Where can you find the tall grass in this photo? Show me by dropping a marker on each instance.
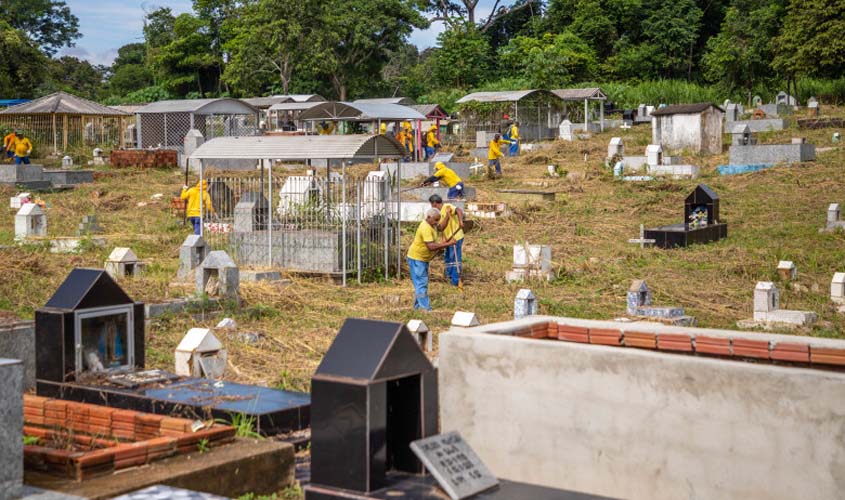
(630, 95)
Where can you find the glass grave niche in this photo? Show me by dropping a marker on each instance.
(701, 222)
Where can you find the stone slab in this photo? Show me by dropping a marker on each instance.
(17, 341)
(11, 423)
(73, 245)
(63, 177)
(741, 169)
(249, 275)
(771, 153)
(440, 453)
(16, 174)
(175, 306)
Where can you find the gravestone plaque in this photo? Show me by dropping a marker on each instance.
(454, 465)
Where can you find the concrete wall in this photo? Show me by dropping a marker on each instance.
(305, 250)
(17, 341)
(761, 125)
(414, 169)
(696, 132)
(771, 153)
(711, 140)
(643, 424)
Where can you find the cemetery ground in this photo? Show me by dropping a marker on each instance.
(773, 214)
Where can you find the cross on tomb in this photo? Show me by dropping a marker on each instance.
(642, 240)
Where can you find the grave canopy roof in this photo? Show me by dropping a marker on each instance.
(431, 110)
(368, 350)
(593, 93)
(62, 103)
(502, 96)
(404, 101)
(300, 147)
(684, 109)
(86, 288)
(220, 105)
(360, 111)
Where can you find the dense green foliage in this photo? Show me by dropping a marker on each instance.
(637, 50)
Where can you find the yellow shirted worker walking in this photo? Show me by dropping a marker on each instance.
(493, 155)
(193, 209)
(23, 148)
(448, 177)
(406, 140)
(452, 225)
(421, 252)
(9, 144)
(513, 134)
(431, 142)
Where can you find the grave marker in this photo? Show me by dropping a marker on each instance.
(525, 304)
(565, 130)
(837, 288)
(454, 465)
(421, 334)
(30, 221)
(123, 262)
(200, 354)
(89, 225)
(787, 270)
(192, 252)
(615, 148)
(465, 319)
(218, 275)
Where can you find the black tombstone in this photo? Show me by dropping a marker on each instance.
(374, 392)
(88, 317)
(711, 228)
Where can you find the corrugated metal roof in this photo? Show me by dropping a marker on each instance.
(128, 108)
(684, 109)
(293, 106)
(266, 102)
(304, 97)
(501, 96)
(349, 111)
(62, 103)
(300, 147)
(404, 101)
(220, 105)
(593, 93)
(430, 110)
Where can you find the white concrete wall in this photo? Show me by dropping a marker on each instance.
(679, 132)
(711, 141)
(641, 424)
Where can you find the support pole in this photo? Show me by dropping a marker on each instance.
(269, 213)
(398, 218)
(586, 116)
(386, 230)
(601, 115)
(358, 228)
(202, 225)
(343, 216)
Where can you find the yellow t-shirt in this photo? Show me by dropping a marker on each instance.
(448, 176)
(193, 197)
(494, 151)
(425, 234)
(431, 139)
(22, 147)
(453, 228)
(514, 132)
(9, 142)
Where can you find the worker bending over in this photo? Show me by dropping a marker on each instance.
(421, 252)
(447, 176)
(451, 224)
(494, 153)
(193, 210)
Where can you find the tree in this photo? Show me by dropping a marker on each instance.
(49, 23)
(24, 66)
(463, 58)
(455, 14)
(128, 72)
(551, 61)
(187, 64)
(811, 42)
(672, 30)
(514, 22)
(73, 75)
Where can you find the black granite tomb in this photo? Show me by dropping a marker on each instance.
(373, 394)
(89, 341)
(701, 222)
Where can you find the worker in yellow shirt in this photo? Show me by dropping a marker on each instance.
(382, 128)
(23, 148)
(407, 142)
(421, 252)
(9, 144)
(448, 177)
(451, 224)
(514, 138)
(494, 153)
(431, 142)
(325, 128)
(193, 210)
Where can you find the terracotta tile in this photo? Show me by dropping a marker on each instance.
(640, 339)
(102, 412)
(176, 424)
(95, 457)
(34, 401)
(573, 333)
(552, 330)
(674, 342)
(827, 356)
(605, 336)
(749, 348)
(130, 462)
(790, 351)
(713, 345)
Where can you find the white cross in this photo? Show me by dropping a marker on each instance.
(642, 240)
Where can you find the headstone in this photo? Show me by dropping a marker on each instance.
(766, 300)
(422, 334)
(218, 275)
(227, 323)
(833, 213)
(638, 296)
(454, 465)
(837, 288)
(531, 261)
(123, 262)
(192, 355)
(298, 190)
(192, 252)
(30, 221)
(732, 112)
(374, 187)
(67, 161)
(654, 155)
(565, 130)
(757, 101)
(642, 112)
(615, 148)
(741, 135)
(88, 226)
(465, 319)
(98, 156)
(787, 270)
(813, 106)
(525, 304)
(251, 213)
(193, 140)
(11, 425)
(18, 200)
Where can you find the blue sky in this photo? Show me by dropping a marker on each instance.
(108, 25)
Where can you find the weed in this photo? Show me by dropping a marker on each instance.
(244, 425)
(202, 446)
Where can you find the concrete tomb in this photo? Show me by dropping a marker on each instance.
(615, 148)
(693, 127)
(30, 221)
(252, 213)
(744, 150)
(200, 354)
(11, 424)
(218, 276)
(566, 130)
(787, 270)
(531, 261)
(525, 304)
(639, 304)
(123, 262)
(90, 346)
(488, 210)
(88, 226)
(421, 333)
(837, 290)
(767, 311)
(465, 319)
(702, 223)
(655, 165)
(813, 107)
(784, 98)
(192, 252)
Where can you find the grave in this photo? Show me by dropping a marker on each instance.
(639, 304)
(421, 333)
(74, 244)
(656, 165)
(37, 178)
(837, 291)
(252, 213)
(374, 394)
(90, 346)
(531, 262)
(526, 196)
(11, 423)
(745, 151)
(693, 127)
(761, 124)
(465, 319)
(615, 148)
(89, 226)
(659, 409)
(733, 112)
(565, 130)
(786, 99)
(18, 200)
(192, 252)
(218, 276)
(767, 311)
(415, 169)
(123, 262)
(192, 140)
(643, 114)
(253, 276)
(17, 341)
(30, 221)
(525, 304)
(701, 222)
(200, 354)
(488, 210)
(787, 270)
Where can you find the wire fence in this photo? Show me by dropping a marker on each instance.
(307, 224)
(168, 130)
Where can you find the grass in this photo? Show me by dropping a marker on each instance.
(773, 215)
(244, 425)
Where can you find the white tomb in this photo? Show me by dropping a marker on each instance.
(465, 319)
(200, 354)
(531, 261)
(837, 289)
(30, 221)
(565, 130)
(767, 309)
(615, 148)
(123, 262)
(787, 270)
(421, 334)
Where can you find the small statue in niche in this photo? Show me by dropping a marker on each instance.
(698, 218)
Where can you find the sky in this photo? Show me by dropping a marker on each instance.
(108, 25)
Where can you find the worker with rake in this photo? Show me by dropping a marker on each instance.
(431, 142)
(420, 254)
(447, 176)
(494, 155)
(451, 224)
